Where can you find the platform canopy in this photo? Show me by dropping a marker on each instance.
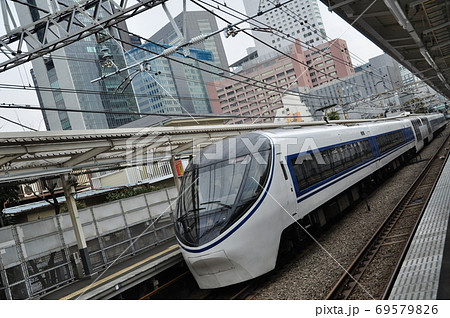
(415, 33)
(31, 155)
(27, 156)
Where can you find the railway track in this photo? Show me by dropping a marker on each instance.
(372, 271)
(166, 286)
(235, 292)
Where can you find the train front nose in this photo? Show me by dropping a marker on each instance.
(220, 185)
(216, 269)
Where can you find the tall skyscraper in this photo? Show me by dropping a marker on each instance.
(190, 83)
(172, 85)
(197, 22)
(299, 19)
(63, 79)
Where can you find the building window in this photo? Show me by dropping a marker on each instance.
(290, 71)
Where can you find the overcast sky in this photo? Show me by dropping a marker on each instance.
(146, 24)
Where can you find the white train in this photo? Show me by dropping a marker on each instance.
(245, 198)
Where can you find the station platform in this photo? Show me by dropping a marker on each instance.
(119, 277)
(425, 272)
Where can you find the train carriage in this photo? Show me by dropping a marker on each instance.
(241, 197)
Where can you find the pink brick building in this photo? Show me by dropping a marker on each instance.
(329, 60)
(261, 99)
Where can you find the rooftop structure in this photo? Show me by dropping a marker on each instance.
(300, 19)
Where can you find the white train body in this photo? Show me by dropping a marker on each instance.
(240, 195)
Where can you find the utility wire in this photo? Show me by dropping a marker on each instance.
(294, 16)
(275, 49)
(91, 92)
(266, 86)
(288, 37)
(309, 95)
(223, 116)
(16, 123)
(193, 41)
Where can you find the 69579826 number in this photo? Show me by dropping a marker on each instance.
(406, 309)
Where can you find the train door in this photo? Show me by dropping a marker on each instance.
(418, 133)
(428, 125)
(288, 191)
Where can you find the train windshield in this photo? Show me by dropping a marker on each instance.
(220, 185)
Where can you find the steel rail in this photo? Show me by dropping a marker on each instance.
(348, 281)
(169, 283)
(390, 284)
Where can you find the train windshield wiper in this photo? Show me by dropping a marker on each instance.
(196, 209)
(219, 203)
(187, 214)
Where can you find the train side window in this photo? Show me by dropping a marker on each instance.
(326, 169)
(347, 156)
(390, 141)
(308, 171)
(315, 172)
(337, 160)
(355, 157)
(298, 171)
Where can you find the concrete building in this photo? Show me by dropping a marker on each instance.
(63, 80)
(170, 85)
(181, 85)
(281, 73)
(328, 61)
(197, 22)
(380, 75)
(294, 111)
(300, 19)
(259, 98)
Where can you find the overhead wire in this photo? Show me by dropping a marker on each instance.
(163, 96)
(294, 16)
(275, 49)
(172, 49)
(289, 37)
(223, 116)
(309, 68)
(17, 123)
(267, 86)
(268, 104)
(88, 92)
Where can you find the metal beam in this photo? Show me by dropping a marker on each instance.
(439, 45)
(340, 4)
(180, 37)
(59, 29)
(69, 191)
(7, 16)
(7, 159)
(443, 25)
(381, 13)
(85, 156)
(399, 39)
